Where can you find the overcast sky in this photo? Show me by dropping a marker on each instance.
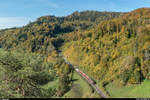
(15, 13)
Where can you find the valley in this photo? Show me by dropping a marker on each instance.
(88, 54)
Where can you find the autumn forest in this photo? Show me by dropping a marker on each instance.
(112, 48)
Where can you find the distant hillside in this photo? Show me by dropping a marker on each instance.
(39, 35)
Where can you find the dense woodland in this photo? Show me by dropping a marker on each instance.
(108, 46)
(115, 50)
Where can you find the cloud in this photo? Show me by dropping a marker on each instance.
(9, 22)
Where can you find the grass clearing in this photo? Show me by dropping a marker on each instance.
(51, 87)
(135, 91)
(52, 84)
(80, 89)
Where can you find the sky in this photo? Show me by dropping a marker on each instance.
(17, 13)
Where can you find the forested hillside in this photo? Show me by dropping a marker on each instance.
(40, 35)
(116, 49)
(111, 47)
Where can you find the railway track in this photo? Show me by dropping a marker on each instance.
(86, 77)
